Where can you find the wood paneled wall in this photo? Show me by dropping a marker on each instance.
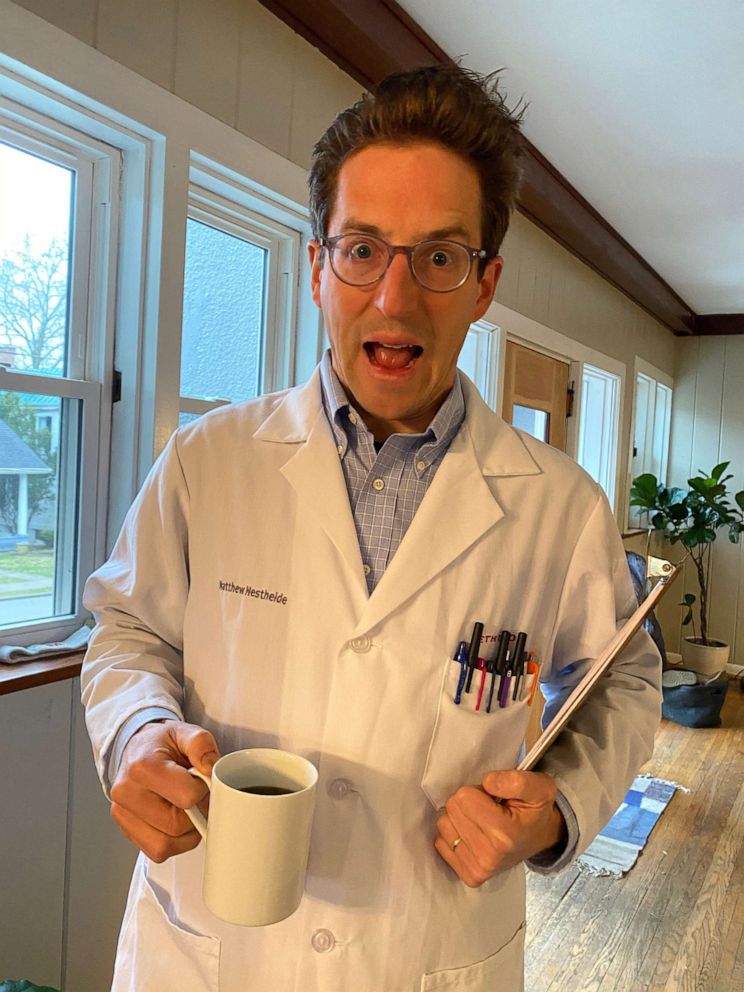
(707, 428)
(239, 63)
(231, 58)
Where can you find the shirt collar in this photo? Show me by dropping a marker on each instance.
(437, 438)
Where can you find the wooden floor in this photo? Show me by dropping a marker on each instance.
(675, 921)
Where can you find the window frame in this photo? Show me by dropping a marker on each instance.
(488, 375)
(89, 337)
(282, 244)
(610, 442)
(652, 374)
(85, 478)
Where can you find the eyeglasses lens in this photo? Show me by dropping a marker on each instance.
(438, 265)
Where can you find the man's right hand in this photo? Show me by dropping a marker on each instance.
(153, 787)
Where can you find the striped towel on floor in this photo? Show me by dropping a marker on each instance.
(615, 850)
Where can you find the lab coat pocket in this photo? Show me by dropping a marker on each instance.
(503, 970)
(156, 952)
(467, 741)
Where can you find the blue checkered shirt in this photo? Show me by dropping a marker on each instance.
(386, 487)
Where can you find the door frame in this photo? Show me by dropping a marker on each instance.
(524, 330)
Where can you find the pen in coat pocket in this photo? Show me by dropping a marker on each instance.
(498, 663)
(533, 668)
(518, 666)
(461, 655)
(473, 650)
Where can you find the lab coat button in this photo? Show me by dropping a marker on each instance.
(322, 941)
(360, 644)
(339, 788)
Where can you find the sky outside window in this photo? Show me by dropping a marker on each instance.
(35, 210)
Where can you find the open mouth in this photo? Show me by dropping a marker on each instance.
(392, 356)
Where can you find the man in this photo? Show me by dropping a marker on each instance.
(299, 569)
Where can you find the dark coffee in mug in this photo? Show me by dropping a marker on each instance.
(266, 790)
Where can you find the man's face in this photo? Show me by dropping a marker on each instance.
(403, 194)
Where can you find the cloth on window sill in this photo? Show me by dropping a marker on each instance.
(11, 654)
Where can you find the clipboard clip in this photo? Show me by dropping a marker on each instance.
(658, 568)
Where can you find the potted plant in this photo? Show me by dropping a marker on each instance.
(693, 517)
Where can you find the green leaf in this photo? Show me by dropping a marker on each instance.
(719, 470)
(677, 512)
(24, 986)
(740, 499)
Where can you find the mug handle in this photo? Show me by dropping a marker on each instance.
(193, 812)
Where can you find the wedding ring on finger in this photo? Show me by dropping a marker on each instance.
(457, 841)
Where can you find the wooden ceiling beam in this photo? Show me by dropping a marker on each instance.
(369, 39)
(720, 323)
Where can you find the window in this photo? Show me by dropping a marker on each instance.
(133, 338)
(49, 411)
(477, 359)
(598, 426)
(652, 413)
(240, 281)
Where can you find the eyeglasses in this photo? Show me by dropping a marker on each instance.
(440, 266)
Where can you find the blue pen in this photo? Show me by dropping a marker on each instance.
(462, 656)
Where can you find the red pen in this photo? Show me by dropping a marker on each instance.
(483, 668)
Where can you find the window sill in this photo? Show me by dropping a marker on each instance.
(26, 674)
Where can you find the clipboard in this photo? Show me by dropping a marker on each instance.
(667, 573)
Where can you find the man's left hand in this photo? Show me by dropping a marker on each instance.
(496, 836)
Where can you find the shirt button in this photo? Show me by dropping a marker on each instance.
(360, 644)
(339, 788)
(421, 466)
(340, 449)
(367, 569)
(322, 941)
(378, 484)
(353, 418)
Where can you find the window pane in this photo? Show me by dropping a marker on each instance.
(467, 360)
(643, 398)
(36, 200)
(534, 422)
(38, 505)
(662, 419)
(597, 448)
(223, 315)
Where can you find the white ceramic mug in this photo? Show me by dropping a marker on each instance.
(257, 845)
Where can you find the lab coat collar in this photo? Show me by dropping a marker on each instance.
(293, 418)
(459, 507)
(498, 448)
(457, 510)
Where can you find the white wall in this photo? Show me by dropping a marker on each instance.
(65, 866)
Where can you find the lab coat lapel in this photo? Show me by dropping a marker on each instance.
(458, 509)
(315, 473)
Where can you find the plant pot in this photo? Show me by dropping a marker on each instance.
(707, 659)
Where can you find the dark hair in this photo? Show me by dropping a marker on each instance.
(454, 107)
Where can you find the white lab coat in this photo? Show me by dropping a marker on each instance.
(511, 532)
